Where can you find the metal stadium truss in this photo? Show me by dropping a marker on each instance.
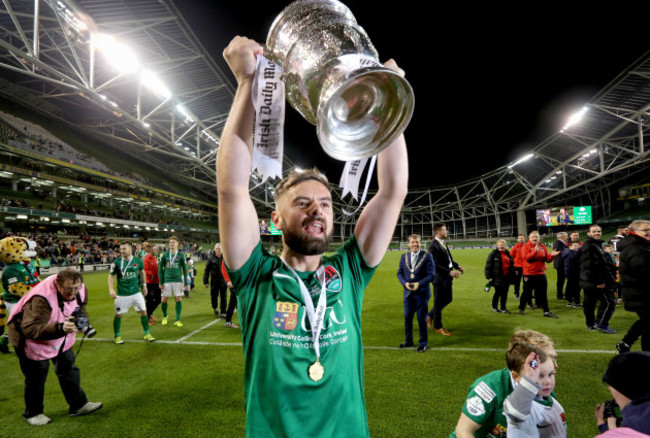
(580, 165)
(132, 73)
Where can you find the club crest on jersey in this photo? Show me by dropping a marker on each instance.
(286, 316)
(499, 431)
(332, 279)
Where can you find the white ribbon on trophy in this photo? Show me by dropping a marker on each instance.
(268, 101)
(351, 177)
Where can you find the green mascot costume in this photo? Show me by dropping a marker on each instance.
(18, 277)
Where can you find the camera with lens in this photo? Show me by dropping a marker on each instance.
(81, 321)
(613, 410)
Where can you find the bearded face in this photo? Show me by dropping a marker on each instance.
(307, 243)
(306, 218)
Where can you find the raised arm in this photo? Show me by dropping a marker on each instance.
(238, 225)
(377, 222)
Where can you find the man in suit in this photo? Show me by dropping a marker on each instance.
(416, 271)
(446, 270)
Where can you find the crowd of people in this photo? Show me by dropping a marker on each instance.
(608, 273)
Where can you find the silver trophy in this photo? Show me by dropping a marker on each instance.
(334, 79)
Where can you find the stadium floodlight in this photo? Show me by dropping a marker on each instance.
(45, 218)
(65, 221)
(21, 216)
(575, 118)
(181, 109)
(146, 125)
(521, 160)
(150, 80)
(116, 53)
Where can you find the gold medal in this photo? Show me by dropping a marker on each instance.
(316, 371)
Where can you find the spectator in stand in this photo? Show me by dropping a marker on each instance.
(516, 254)
(560, 245)
(536, 255)
(597, 282)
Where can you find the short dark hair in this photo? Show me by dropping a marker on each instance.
(437, 227)
(296, 177)
(69, 274)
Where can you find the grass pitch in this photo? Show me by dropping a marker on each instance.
(190, 382)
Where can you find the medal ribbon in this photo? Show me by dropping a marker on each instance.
(317, 316)
(122, 268)
(172, 259)
(268, 101)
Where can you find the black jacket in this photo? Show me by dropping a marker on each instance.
(634, 268)
(441, 258)
(212, 273)
(494, 269)
(593, 265)
(558, 245)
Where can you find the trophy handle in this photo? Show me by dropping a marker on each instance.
(271, 55)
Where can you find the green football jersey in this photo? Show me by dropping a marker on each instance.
(16, 273)
(484, 404)
(281, 399)
(172, 268)
(128, 275)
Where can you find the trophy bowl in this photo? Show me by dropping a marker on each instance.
(334, 80)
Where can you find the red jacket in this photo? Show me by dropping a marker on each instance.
(535, 261)
(224, 273)
(516, 254)
(150, 269)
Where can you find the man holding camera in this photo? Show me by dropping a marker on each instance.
(42, 328)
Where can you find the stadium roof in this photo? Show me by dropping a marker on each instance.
(605, 147)
(173, 119)
(165, 104)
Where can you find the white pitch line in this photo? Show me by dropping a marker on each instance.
(198, 330)
(368, 347)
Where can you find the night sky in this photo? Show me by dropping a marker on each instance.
(490, 82)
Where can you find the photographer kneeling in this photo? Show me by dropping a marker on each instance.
(42, 328)
(628, 380)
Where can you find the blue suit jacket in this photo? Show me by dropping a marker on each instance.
(423, 275)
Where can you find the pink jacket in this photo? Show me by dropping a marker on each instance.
(622, 432)
(44, 350)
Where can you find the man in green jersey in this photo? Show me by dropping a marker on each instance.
(300, 314)
(141, 250)
(172, 274)
(129, 271)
